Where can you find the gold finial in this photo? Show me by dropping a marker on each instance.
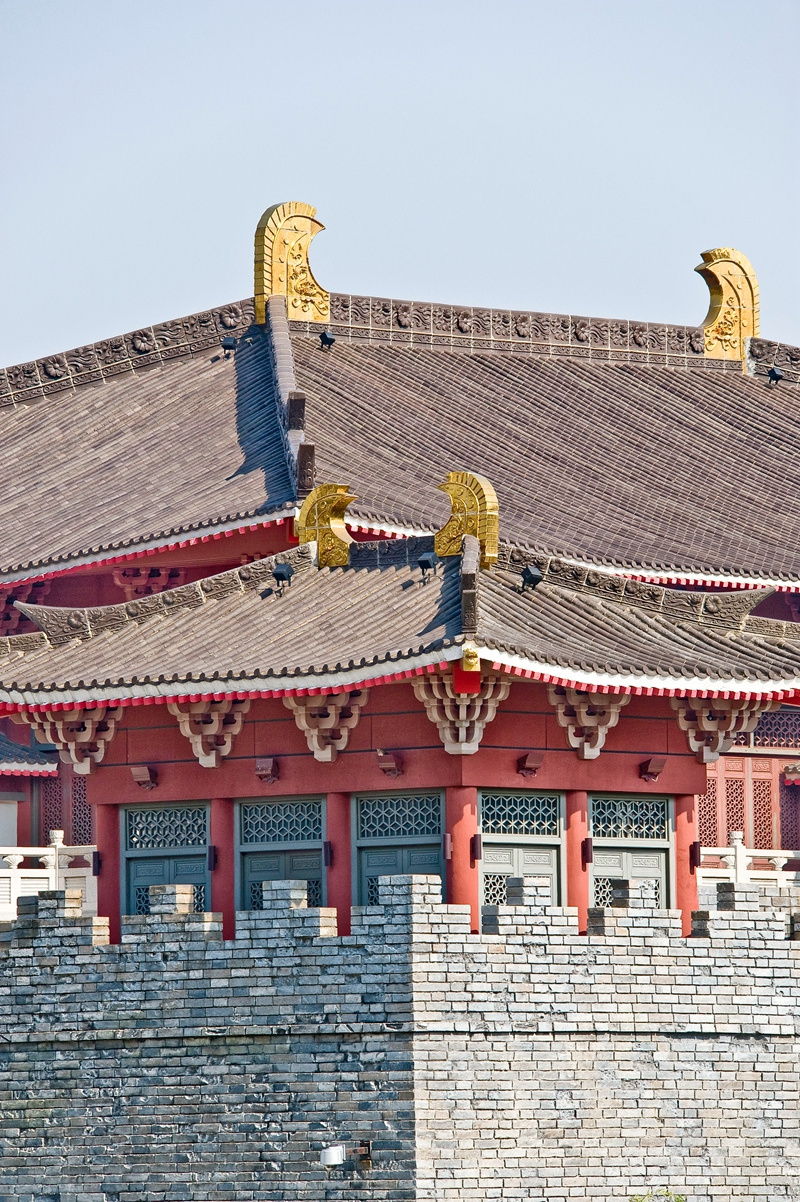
(322, 520)
(732, 315)
(283, 236)
(474, 511)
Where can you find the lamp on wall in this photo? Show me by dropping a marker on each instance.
(144, 776)
(268, 769)
(390, 762)
(651, 769)
(530, 763)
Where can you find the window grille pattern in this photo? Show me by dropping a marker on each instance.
(762, 813)
(781, 729)
(519, 814)
(282, 822)
(372, 891)
(629, 818)
(51, 806)
(141, 899)
(183, 826)
(313, 894)
(734, 806)
(494, 889)
(790, 834)
(707, 815)
(395, 816)
(81, 812)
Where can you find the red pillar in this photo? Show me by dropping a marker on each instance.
(577, 871)
(223, 882)
(685, 874)
(108, 882)
(462, 870)
(340, 868)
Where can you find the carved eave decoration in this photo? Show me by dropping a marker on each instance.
(459, 717)
(733, 314)
(475, 511)
(210, 726)
(711, 724)
(282, 241)
(327, 721)
(81, 735)
(321, 520)
(586, 717)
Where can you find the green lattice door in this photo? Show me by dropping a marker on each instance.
(167, 870)
(280, 866)
(397, 833)
(502, 860)
(521, 832)
(281, 840)
(623, 863)
(631, 837)
(165, 845)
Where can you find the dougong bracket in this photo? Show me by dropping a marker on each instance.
(461, 718)
(733, 314)
(712, 723)
(321, 520)
(474, 510)
(586, 717)
(210, 726)
(283, 237)
(327, 721)
(81, 735)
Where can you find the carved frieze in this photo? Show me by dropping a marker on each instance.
(459, 717)
(81, 735)
(327, 721)
(586, 717)
(210, 726)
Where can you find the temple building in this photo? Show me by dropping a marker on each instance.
(329, 587)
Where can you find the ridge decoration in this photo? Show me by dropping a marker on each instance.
(461, 718)
(321, 520)
(586, 717)
(327, 721)
(210, 726)
(733, 313)
(283, 237)
(712, 723)
(475, 511)
(81, 735)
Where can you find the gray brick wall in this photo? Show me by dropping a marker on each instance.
(525, 1063)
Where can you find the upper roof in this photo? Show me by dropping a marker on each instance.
(18, 760)
(642, 447)
(240, 633)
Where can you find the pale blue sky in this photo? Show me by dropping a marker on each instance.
(574, 156)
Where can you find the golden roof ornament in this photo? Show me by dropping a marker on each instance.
(474, 510)
(321, 520)
(283, 236)
(733, 314)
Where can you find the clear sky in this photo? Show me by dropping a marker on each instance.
(563, 155)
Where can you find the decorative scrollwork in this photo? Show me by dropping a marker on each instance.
(474, 510)
(283, 236)
(321, 520)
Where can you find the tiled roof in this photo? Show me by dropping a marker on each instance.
(18, 760)
(239, 632)
(173, 440)
(652, 467)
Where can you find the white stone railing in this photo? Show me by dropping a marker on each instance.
(737, 863)
(56, 869)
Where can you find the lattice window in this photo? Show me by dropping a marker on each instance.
(81, 812)
(313, 894)
(141, 899)
(494, 889)
(282, 822)
(707, 815)
(396, 816)
(781, 729)
(603, 892)
(519, 814)
(734, 806)
(52, 814)
(790, 834)
(372, 891)
(629, 818)
(181, 826)
(762, 813)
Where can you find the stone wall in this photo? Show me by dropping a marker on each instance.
(528, 1062)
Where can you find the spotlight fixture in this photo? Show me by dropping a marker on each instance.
(390, 762)
(268, 769)
(427, 562)
(531, 576)
(326, 340)
(775, 374)
(530, 763)
(651, 769)
(282, 574)
(332, 1155)
(228, 345)
(145, 776)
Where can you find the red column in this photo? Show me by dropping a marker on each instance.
(108, 882)
(577, 871)
(223, 881)
(340, 869)
(462, 870)
(685, 874)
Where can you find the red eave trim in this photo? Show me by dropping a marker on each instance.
(640, 690)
